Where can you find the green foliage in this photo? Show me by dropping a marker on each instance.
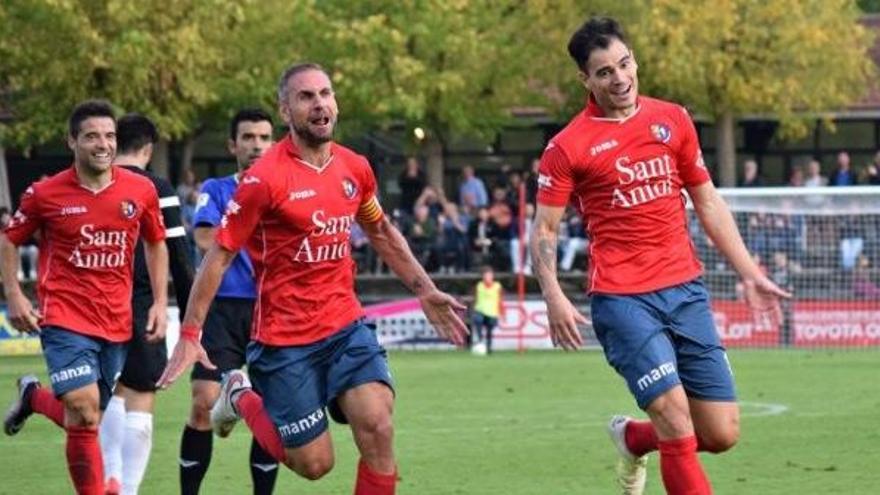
(785, 57)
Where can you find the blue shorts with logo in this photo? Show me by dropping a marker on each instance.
(299, 384)
(661, 339)
(75, 361)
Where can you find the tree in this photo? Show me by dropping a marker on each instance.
(793, 59)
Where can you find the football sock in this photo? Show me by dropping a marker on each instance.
(681, 469)
(250, 407)
(640, 437)
(370, 482)
(195, 457)
(264, 469)
(43, 402)
(84, 461)
(112, 433)
(136, 450)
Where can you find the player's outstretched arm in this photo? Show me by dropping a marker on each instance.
(21, 313)
(562, 316)
(156, 256)
(761, 293)
(189, 348)
(441, 309)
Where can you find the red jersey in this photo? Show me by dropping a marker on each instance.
(625, 178)
(295, 220)
(87, 240)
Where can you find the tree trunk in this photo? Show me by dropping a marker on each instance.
(5, 196)
(725, 129)
(161, 158)
(189, 149)
(434, 149)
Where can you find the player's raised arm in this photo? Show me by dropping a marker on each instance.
(562, 316)
(440, 308)
(715, 217)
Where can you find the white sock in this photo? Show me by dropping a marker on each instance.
(136, 450)
(111, 434)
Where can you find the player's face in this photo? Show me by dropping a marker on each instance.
(94, 148)
(310, 107)
(612, 79)
(252, 139)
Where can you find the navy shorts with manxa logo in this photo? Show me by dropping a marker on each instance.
(664, 338)
(75, 361)
(299, 384)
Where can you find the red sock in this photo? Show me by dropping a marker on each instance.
(681, 469)
(370, 482)
(84, 461)
(43, 402)
(250, 407)
(640, 437)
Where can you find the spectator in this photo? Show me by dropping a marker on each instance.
(872, 171)
(516, 248)
(852, 240)
(488, 307)
(484, 236)
(514, 179)
(187, 185)
(433, 199)
(843, 175)
(472, 191)
(796, 179)
(453, 240)
(423, 237)
(576, 243)
(814, 175)
(411, 182)
(863, 285)
(750, 175)
(531, 180)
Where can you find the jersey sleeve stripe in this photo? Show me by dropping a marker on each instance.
(175, 232)
(169, 201)
(370, 212)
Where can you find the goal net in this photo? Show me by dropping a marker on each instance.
(823, 245)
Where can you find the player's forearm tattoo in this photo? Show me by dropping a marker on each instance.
(417, 285)
(546, 255)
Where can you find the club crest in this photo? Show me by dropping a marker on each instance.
(349, 189)
(128, 209)
(661, 132)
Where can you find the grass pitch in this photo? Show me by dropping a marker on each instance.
(531, 425)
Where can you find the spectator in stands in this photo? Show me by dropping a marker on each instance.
(863, 285)
(781, 274)
(472, 190)
(363, 255)
(187, 185)
(852, 240)
(188, 207)
(751, 178)
(872, 171)
(814, 175)
(514, 179)
(516, 246)
(796, 179)
(411, 182)
(433, 199)
(531, 180)
(576, 243)
(483, 235)
(422, 237)
(453, 249)
(843, 174)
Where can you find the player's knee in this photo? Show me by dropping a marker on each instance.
(720, 440)
(83, 412)
(671, 416)
(200, 414)
(312, 468)
(378, 429)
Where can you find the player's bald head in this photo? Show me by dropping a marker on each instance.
(596, 34)
(293, 71)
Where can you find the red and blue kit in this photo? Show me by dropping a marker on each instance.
(625, 178)
(295, 220)
(86, 241)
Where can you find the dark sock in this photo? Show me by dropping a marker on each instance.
(264, 469)
(195, 457)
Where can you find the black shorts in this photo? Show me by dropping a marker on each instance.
(146, 360)
(225, 336)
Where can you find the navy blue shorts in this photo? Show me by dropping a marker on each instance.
(661, 339)
(300, 383)
(76, 361)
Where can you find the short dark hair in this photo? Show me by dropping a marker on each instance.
(292, 71)
(596, 34)
(133, 132)
(88, 109)
(247, 115)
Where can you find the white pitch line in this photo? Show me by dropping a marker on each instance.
(764, 409)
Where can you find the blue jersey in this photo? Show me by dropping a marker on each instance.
(213, 197)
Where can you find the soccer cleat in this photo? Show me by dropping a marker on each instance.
(223, 414)
(113, 487)
(631, 470)
(20, 409)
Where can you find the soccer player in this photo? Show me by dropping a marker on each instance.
(310, 346)
(88, 218)
(228, 322)
(126, 431)
(623, 163)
